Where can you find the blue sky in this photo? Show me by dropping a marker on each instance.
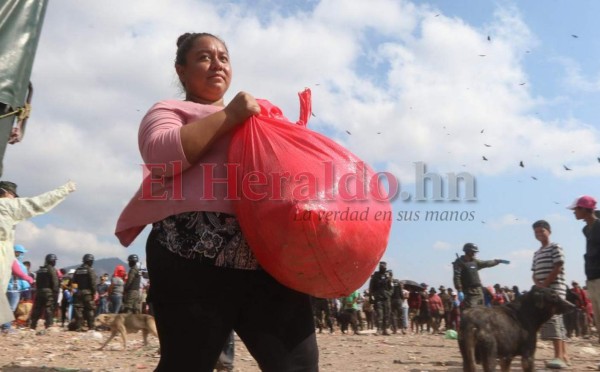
(424, 74)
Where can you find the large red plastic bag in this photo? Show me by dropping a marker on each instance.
(311, 239)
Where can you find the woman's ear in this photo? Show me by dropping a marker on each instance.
(180, 69)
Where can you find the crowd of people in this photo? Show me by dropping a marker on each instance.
(427, 309)
(72, 297)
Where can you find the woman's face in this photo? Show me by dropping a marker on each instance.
(207, 73)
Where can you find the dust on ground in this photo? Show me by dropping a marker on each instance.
(61, 350)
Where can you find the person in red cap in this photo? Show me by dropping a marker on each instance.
(583, 209)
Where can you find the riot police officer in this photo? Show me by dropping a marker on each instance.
(83, 300)
(131, 293)
(46, 298)
(466, 276)
(380, 288)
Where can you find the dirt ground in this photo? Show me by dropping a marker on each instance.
(59, 350)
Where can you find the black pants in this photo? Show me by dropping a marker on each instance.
(196, 306)
(43, 305)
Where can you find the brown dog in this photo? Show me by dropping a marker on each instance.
(126, 323)
(505, 331)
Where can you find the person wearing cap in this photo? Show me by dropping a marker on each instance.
(436, 309)
(447, 302)
(466, 276)
(584, 209)
(14, 209)
(380, 287)
(548, 272)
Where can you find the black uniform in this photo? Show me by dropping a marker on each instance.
(322, 313)
(131, 293)
(397, 298)
(83, 300)
(46, 296)
(380, 288)
(466, 279)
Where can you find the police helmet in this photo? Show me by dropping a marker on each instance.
(51, 259)
(88, 258)
(470, 247)
(133, 258)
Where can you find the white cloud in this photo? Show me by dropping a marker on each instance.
(68, 245)
(387, 66)
(442, 246)
(507, 220)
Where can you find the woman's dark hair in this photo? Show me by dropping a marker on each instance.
(185, 42)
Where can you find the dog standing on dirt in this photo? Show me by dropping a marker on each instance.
(123, 324)
(506, 331)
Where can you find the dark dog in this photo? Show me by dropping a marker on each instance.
(347, 318)
(506, 331)
(422, 319)
(422, 322)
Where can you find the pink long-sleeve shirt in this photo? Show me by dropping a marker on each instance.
(171, 185)
(18, 272)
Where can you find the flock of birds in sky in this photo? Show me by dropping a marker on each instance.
(521, 163)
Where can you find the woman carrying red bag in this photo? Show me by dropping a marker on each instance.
(205, 279)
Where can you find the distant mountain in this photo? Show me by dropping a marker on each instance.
(104, 265)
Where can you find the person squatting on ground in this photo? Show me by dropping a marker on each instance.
(19, 282)
(205, 279)
(466, 276)
(83, 301)
(14, 209)
(548, 272)
(584, 209)
(47, 289)
(380, 287)
(131, 293)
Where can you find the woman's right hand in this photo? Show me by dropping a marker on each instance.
(241, 107)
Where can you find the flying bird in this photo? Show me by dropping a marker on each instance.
(313, 114)
(574, 36)
(482, 55)
(484, 158)
(484, 129)
(348, 132)
(522, 83)
(486, 145)
(598, 160)
(535, 179)
(378, 132)
(489, 38)
(566, 168)
(521, 164)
